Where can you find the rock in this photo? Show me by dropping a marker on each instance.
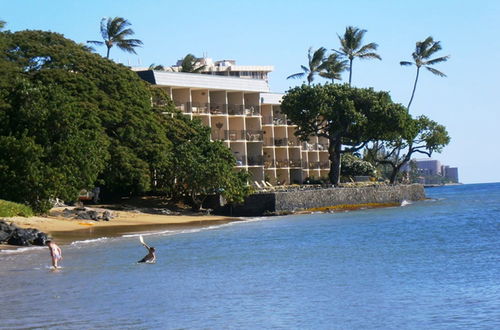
(87, 215)
(106, 216)
(13, 235)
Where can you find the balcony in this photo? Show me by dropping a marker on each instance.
(314, 146)
(313, 165)
(218, 108)
(235, 109)
(254, 135)
(252, 109)
(234, 135)
(255, 161)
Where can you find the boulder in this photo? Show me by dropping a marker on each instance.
(13, 235)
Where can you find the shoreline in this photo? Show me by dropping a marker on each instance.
(66, 230)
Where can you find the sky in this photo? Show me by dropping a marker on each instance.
(279, 33)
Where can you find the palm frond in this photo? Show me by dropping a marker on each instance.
(406, 63)
(296, 75)
(95, 42)
(370, 55)
(436, 72)
(438, 60)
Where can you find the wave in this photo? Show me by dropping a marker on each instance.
(93, 240)
(23, 249)
(405, 202)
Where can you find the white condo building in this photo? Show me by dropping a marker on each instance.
(247, 118)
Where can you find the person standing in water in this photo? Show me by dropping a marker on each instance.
(151, 256)
(55, 253)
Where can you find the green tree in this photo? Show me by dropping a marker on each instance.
(351, 47)
(420, 135)
(424, 50)
(190, 64)
(115, 31)
(348, 117)
(52, 144)
(316, 64)
(333, 67)
(203, 167)
(2, 24)
(136, 146)
(352, 165)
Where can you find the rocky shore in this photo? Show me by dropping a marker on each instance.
(14, 235)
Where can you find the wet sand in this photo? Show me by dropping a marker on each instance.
(66, 230)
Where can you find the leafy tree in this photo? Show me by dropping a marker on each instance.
(424, 50)
(202, 167)
(136, 146)
(52, 144)
(115, 31)
(2, 24)
(420, 135)
(190, 64)
(333, 67)
(316, 64)
(352, 165)
(351, 47)
(348, 117)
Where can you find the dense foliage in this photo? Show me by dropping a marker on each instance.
(70, 119)
(352, 165)
(348, 117)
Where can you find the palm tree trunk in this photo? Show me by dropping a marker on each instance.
(350, 71)
(414, 87)
(107, 54)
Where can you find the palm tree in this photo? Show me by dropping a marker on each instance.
(316, 65)
(115, 31)
(334, 66)
(350, 47)
(156, 67)
(423, 51)
(190, 64)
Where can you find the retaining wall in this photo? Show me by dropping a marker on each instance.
(297, 200)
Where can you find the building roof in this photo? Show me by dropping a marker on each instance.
(196, 80)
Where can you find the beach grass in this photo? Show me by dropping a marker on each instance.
(11, 209)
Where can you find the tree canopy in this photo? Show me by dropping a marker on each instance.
(419, 136)
(70, 119)
(348, 117)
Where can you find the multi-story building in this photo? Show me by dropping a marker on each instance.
(247, 118)
(229, 68)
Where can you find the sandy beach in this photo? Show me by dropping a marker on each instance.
(66, 230)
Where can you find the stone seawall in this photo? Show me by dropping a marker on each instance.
(297, 200)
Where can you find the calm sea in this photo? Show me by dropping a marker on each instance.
(428, 265)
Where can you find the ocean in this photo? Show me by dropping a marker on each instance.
(432, 264)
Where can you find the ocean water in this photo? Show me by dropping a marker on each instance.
(427, 265)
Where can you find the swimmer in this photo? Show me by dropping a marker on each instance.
(55, 253)
(150, 257)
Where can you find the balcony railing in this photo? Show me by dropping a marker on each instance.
(252, 109)
(314, 146)
(324, 165)
(255, 161)
(254, 135)
(235, 109)
(233, 135)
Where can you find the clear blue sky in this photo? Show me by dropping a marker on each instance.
(280, 32)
